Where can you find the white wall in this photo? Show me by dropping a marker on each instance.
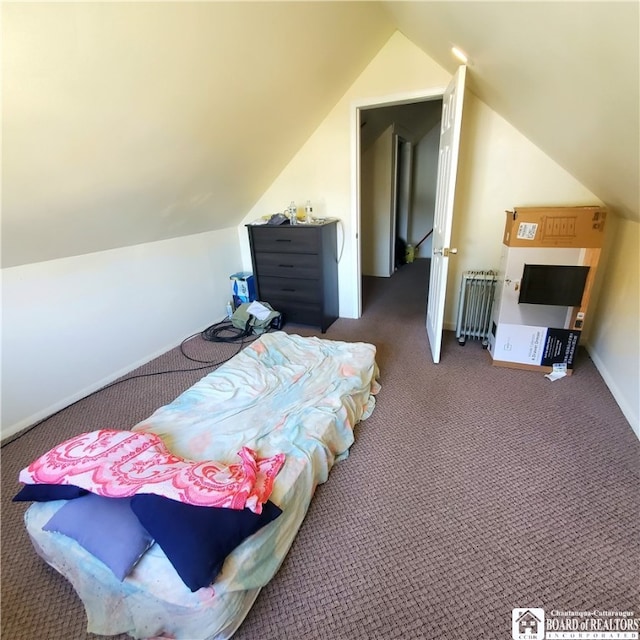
(405, 173)
(425, 170)
(614, 343)
(74, 324)
(376, 187)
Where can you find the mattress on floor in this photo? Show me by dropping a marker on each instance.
(283, 393)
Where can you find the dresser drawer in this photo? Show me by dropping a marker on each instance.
(288, 265)
(295, 289)
(285, 240)
(299, 312)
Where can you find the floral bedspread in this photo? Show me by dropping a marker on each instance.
(119, 464)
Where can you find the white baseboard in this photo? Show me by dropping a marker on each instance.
(27, 423)
(629, 412)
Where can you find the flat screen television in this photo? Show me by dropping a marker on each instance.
(560, 285)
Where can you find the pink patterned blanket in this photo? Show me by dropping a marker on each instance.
(120, 464)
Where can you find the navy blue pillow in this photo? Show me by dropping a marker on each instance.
(196, 540)
(48, 492)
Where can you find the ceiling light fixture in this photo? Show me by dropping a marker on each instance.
(461, 55)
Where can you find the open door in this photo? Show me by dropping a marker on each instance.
(452, 101)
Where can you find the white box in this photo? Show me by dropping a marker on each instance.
(532, 347)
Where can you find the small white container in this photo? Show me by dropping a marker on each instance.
(293, 213)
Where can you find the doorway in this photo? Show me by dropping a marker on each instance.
(448, 150)
(398, 173)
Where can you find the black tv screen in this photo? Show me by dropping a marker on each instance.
(560, 285)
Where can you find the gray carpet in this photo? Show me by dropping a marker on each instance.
(471, 490)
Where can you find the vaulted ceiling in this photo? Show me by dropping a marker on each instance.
(566, 74)
(125, 123)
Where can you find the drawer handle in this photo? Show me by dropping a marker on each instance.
(283, 239)
(289, 266)
(285, 289)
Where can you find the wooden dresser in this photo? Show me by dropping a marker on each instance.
(296, 270)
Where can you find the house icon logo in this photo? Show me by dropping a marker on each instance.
(527, 624)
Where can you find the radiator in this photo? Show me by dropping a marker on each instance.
(475, 306)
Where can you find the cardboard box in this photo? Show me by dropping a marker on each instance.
(555, 227)
(529, 347)
(242, 288)
(507, 307)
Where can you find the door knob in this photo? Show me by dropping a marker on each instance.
(445, 252)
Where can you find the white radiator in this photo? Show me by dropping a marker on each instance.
(475, 306)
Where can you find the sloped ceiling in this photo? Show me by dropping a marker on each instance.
(125, 123)
(566, 74)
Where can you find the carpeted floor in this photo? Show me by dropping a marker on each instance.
(471, 490)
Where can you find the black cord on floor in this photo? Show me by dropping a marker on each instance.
(219, 332)
(222, 331)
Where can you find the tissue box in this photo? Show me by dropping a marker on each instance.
(242, 288)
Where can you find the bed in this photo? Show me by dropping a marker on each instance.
(283, 394)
